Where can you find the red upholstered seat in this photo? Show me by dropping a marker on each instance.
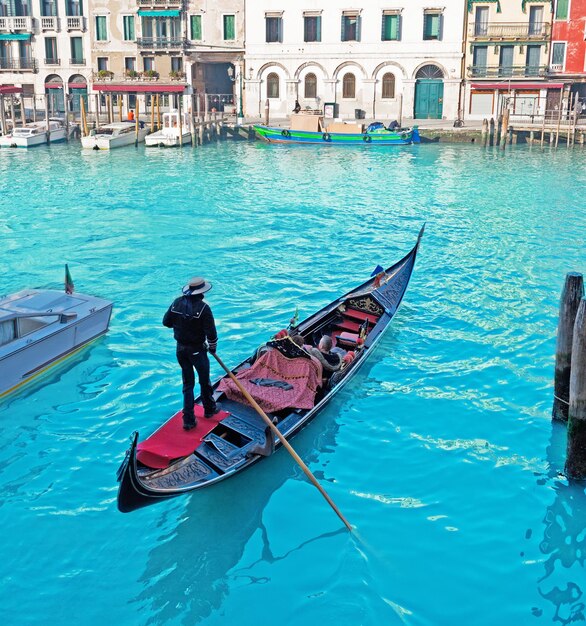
(361, 315)
(348, 325)
(170, 441)
(347, 339)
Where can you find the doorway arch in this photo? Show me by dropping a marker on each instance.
(429, 93)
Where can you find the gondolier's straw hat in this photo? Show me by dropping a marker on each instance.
(196, 285)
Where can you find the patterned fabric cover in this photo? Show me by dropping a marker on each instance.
(302, 374)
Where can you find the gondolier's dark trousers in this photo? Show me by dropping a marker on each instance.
(190, 358)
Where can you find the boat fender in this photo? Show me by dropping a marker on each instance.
(326, 137)
(367, 139)
(13, 145)
(404, 135)
(285, 133)
(95, 148)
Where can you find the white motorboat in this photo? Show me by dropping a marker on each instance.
(174, 128)
(41, 327)
(34, 134)
(114, 135)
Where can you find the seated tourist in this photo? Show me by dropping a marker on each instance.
(331, 362)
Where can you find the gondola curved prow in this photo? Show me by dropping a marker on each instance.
(128, 496)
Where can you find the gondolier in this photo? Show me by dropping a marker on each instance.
(194, 330)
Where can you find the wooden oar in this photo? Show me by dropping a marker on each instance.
(282, 439)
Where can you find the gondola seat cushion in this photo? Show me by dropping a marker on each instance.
(172, 442)
(348, 339)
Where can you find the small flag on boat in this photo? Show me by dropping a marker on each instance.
(295, 318)
(69, 286)
(377, 270)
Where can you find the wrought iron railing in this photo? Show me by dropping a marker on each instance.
(507, 71)
(19, 65)
(160, 4)
(76, 61)
(53, 61)
(137, 77)
(160, 43)
(508, 30)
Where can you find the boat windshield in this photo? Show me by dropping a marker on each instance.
(7, 332)
(23, 132)
(104, 131)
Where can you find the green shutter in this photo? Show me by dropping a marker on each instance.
(128, 28)
(390, 28)
(561, 10)
(101, 34)
(196, 27)
(229, 31)
(76, 49)
(318, 28)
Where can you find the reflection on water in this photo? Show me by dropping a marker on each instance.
(564, 541)
(191, 566)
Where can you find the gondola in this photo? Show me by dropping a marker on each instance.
(282, 377)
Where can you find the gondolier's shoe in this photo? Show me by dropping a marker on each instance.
(189, 422)
(209, 414)
(189, 426)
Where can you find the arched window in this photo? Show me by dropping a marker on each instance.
(349, 86)
(273, 85)
(429, 71)
(310, 86)
(388, 85)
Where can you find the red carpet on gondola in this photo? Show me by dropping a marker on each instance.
(171, 441)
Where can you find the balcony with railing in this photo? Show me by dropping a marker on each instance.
(49, 23)
(77, 61)
(507, 71)
(161, 43)
(135, 77)
(160, 4)
(76, 23)
(16, 23)
(499, 31)
(53, 61)
(18, 65)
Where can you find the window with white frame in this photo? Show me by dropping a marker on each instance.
(101, 28)
(128, 27)
(274, 27)
(273, 85)
(229, 27)
(349, 86)
(388, 86)
(310, 86)
(558, 55)
(432, 24)
(312, 26)
(391, 26)
(195, 27)
(350, 26)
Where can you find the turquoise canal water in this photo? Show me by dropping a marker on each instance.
(441, 452)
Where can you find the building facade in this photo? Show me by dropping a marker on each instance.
(507, 47)
(44, 49)
(568, 45)
(373, 59)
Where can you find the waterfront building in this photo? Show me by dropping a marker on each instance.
(507, 48)
(375, 59)
(568, 45)
(143, 48)
(44, 51)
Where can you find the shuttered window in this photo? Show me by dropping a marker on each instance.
(229, 27)
(274, 29)
(76, 50)
(349, 86)
(273, 85)
(195, 23)
(128, 22)
(101, 28)
(310, 86)
(312, 28)
(561, 9)
(350, 26)
(432, 25)
(391, 27)
(388, 85)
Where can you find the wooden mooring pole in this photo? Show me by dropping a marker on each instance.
(267, 111)
(484, 132)
(491, 132)
(572, 294)
(505, 129)
(576, 451)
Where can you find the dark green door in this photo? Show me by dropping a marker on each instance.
(429, 99)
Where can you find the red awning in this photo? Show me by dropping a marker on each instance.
(8, 89)
(154, 88)
(77, 85)
(518, 86)
(53, 85)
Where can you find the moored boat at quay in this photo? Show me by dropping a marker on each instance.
(114, 135)
(41, 327)
(175, 131)
(310, 129)
(286, 382)
(34, 134)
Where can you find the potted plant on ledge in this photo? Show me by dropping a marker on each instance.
(105, 75)
(176, 75)
(132, 74)
(150, 75)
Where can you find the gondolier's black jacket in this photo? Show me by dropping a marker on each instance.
(192, 322)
